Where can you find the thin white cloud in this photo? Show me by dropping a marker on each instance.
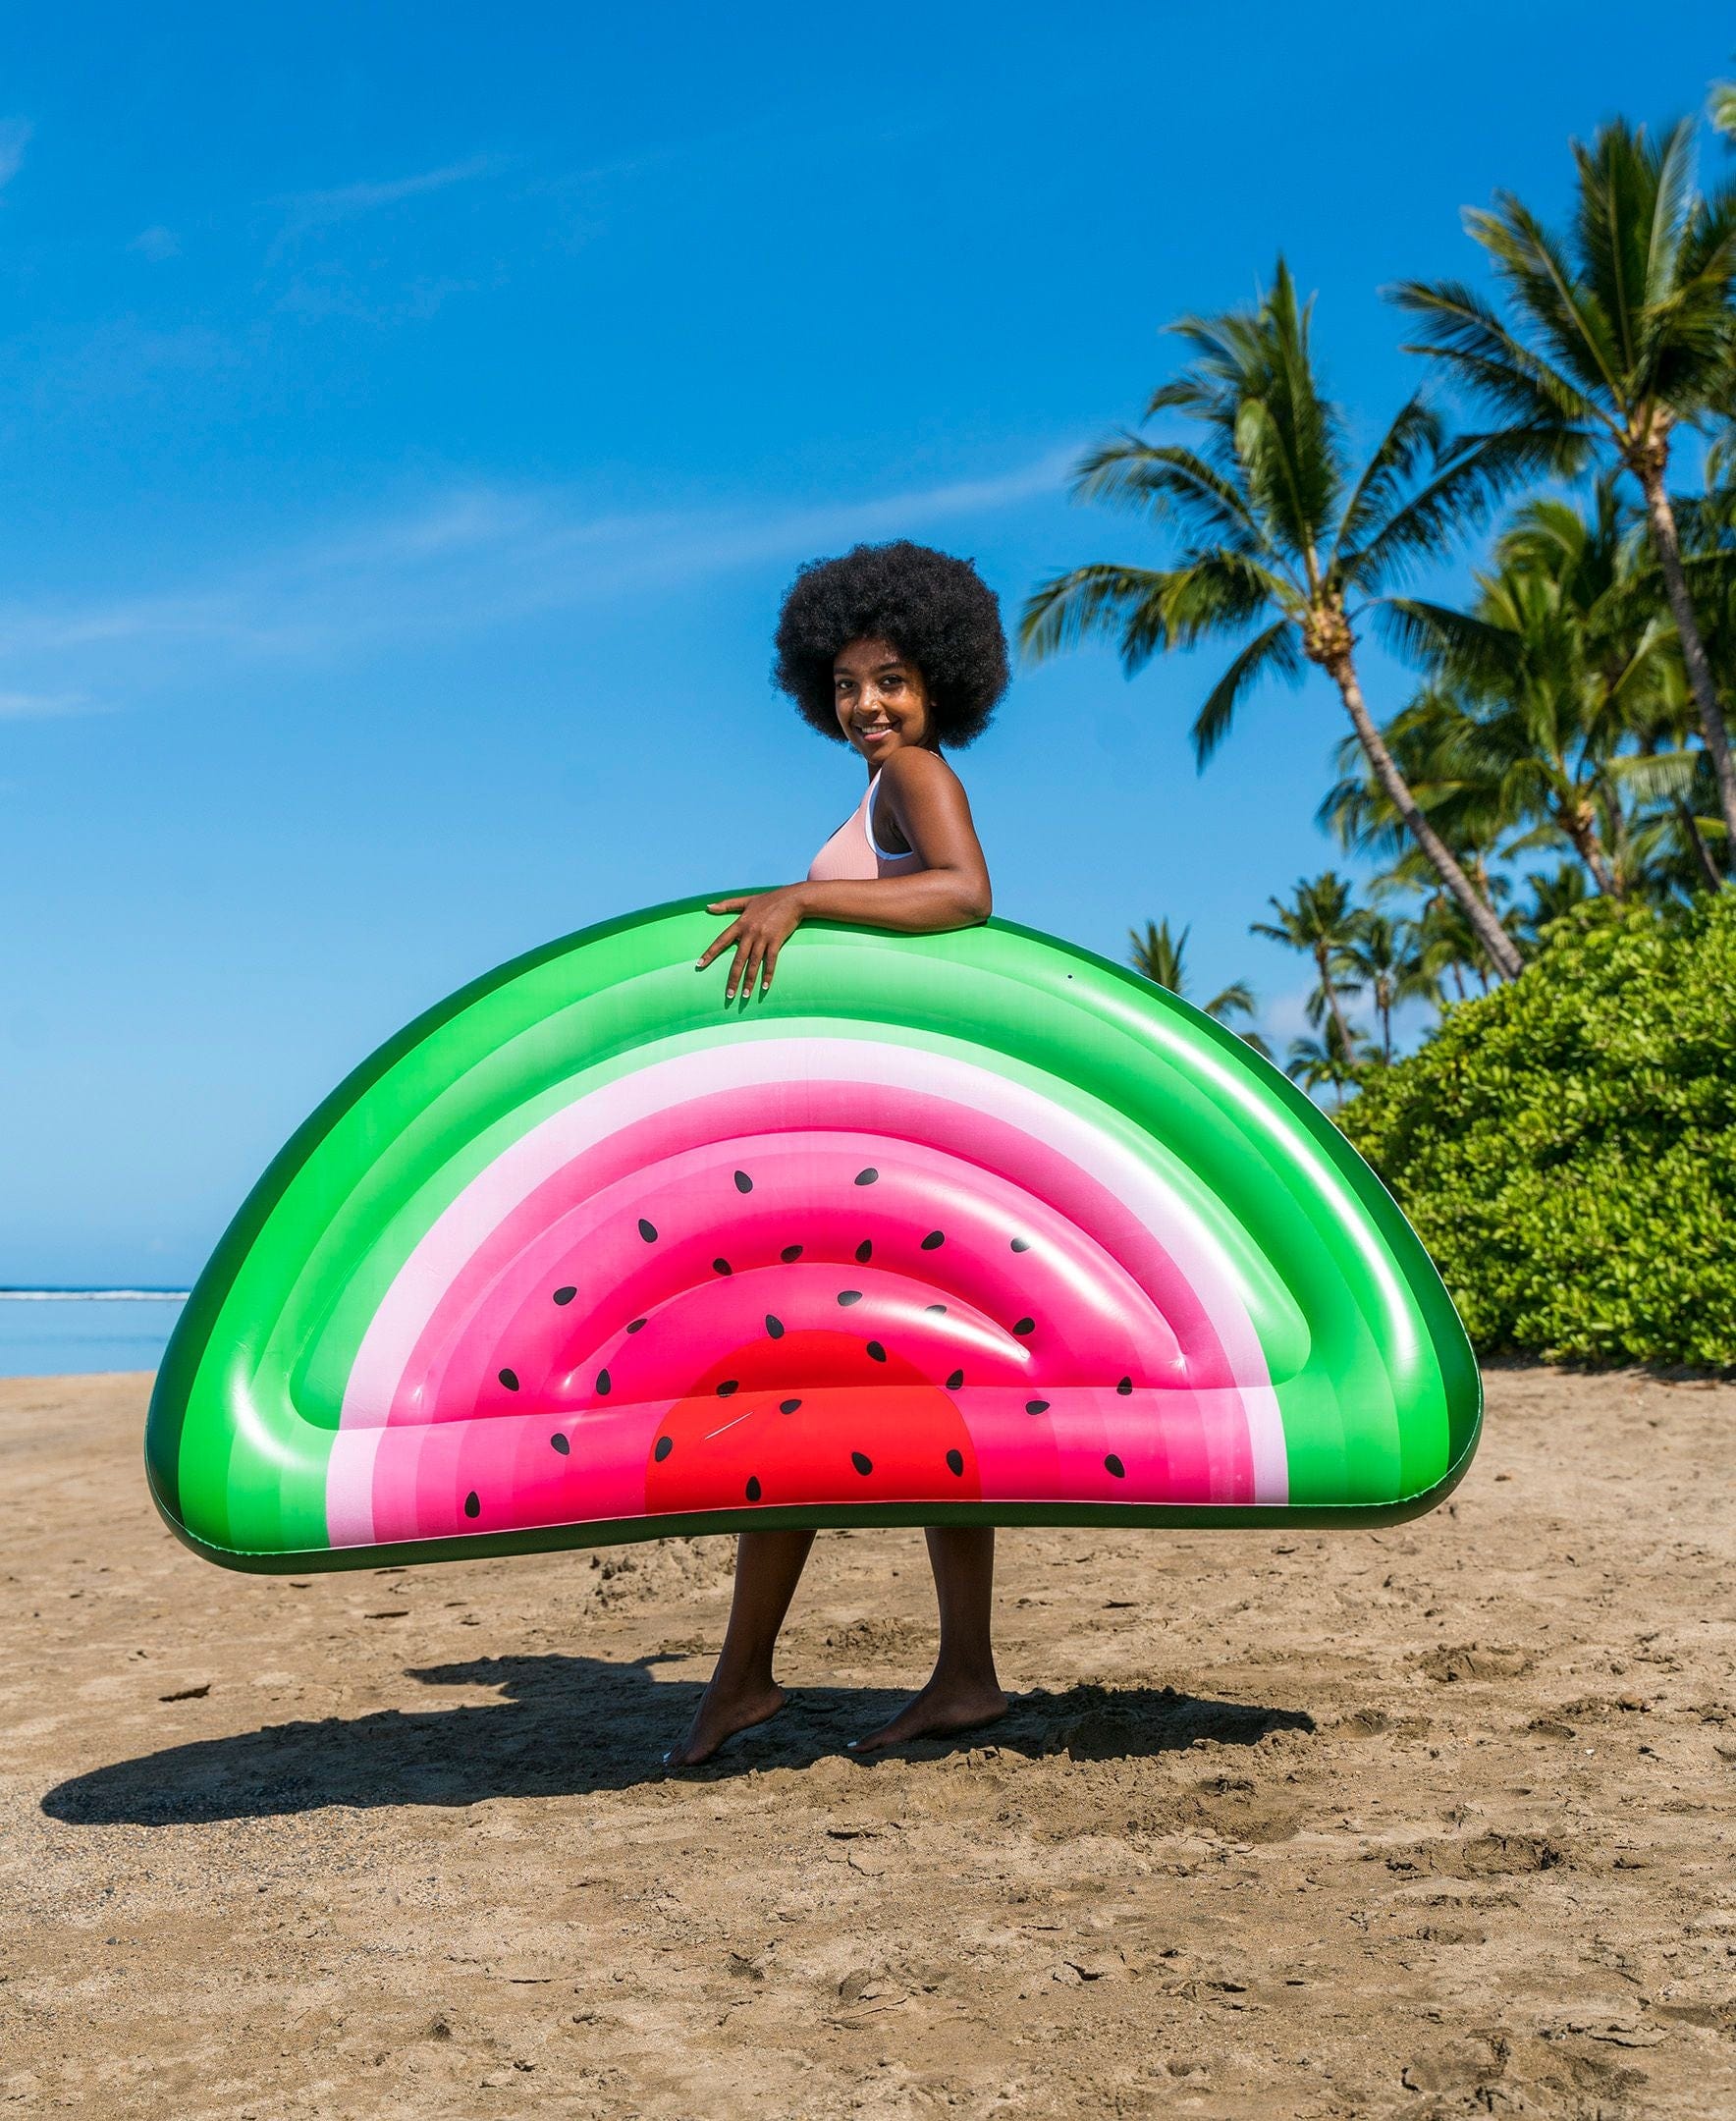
(14, 138)
(469, 561)
(306, 210)
(42, 706)
(1286, 1018)
(156, 244)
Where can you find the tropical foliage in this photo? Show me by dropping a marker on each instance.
(1566, 1146)
(1544, 814)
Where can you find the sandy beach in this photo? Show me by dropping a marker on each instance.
(1436, 1821)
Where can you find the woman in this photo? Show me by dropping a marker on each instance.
(894, 651)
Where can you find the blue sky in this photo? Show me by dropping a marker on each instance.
(411, 415)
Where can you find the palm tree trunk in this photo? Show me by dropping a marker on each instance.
(1387, 1032)
(1331, 994)
(1590, 849)
(1494, 939)
(1696, 841)
(1676, 582)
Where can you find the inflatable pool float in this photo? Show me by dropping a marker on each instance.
(973, 1227)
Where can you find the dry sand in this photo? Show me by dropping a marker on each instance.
(1429, 1821)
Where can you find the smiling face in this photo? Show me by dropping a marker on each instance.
(881, 699)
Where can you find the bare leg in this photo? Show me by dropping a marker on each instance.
(742, 1691)
(963, 1691)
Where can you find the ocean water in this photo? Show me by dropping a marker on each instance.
(66, 1333)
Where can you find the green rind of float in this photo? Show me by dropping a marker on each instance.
(700, 1524)
(1332, 1465)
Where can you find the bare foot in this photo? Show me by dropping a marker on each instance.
(942, 1705)
(720, 1716)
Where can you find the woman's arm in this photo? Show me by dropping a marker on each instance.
(950, 890)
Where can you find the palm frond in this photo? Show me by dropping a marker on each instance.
(1416, 434)
(1163, 482)
(1275, 650)
(1100, 601)
(1439, 635)
(1462, 330)
(1468, 480)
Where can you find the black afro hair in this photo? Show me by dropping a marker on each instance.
(936, 610)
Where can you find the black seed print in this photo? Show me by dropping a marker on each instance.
(510, 1378)
(472, 1504)
(848, 1296)
(955, 1463)
(790, 1252)
(1036, 1406)
(868, 1177)
(1021, 1244)
(934, 1240)
(955, 1380)
(774, 1326)
(665, 1445)
(635, 1325)
(788, 1407)
(1115, 1465)
(1024, 1326)
(937, 1307)
(875, 1352)
(559, 1443)
(865, 1250)
(721, 1266)
(744, 1183)
(862, 1463)
(603, 1383)
(1125, 1386)
(647, 1231)
(728, 1385)
(753, 1488)
(566, 1294)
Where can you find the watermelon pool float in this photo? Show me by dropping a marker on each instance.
(973, 1227)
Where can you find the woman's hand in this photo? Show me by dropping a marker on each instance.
(760, 930)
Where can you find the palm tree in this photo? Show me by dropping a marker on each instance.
(1553, 895)
(1614, 336)
(1538, 686)
(1279, 528)
(1720, 108)
(1333, 1058)
(1320, 923)
(1382, 953)
(1163, 957)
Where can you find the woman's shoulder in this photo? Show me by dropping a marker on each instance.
(911, 767)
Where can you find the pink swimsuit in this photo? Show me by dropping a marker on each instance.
(853, 855)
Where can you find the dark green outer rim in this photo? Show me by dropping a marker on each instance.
(187, 1346)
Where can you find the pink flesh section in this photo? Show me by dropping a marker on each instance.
(606, 1388)
(1110, 1300)
(790, 1085)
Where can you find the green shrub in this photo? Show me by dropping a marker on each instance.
(1566, 1146)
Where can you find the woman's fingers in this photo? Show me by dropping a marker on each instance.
(770, 965)
(722, 943)
(746, 967)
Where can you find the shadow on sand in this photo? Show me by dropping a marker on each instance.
(567, 1725)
